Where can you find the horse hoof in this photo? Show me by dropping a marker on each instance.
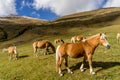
(61, 75)
(82, 70)
(71, 72)
(93, 73)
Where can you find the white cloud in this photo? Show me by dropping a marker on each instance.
(25, 3)
(7, 7)
(113, 3)
(64, 7)
(35, 14)
(22, 4)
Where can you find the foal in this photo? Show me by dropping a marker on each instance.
(77, 39)
(42, 44)
(81, 49)
(12, 52)
(118, 37)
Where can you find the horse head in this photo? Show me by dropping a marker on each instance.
(103, 40)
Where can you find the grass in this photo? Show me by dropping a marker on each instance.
(106, 62)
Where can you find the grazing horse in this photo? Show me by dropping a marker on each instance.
(42, 44)
(118, 37)
(12, 52)
(59, 40)
(77, 39)
(81, 49)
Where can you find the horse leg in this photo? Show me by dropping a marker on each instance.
(66, 64)
(118, 41)
(45, 51)
(90, 64)
(59, 66)
(82, 65)
(10, 56)
(35, 52)
(16, 54)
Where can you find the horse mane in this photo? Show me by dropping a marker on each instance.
(93, 36)
(62, 41)
(59, 40)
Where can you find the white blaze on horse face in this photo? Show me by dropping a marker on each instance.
(104, 41)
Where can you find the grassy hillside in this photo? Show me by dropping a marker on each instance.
(15, 26)
(106, 62)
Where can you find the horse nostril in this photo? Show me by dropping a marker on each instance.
(108, 46)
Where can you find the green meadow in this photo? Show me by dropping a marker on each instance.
(106, 62)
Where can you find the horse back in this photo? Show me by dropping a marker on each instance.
(11, 49)
(40, 44)
(74, 50)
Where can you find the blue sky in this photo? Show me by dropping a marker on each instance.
(51, 9)
(29, 10)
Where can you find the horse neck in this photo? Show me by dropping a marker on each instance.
(93, 41)
(51, 45)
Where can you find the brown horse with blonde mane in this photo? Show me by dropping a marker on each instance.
(118, 37)
(81, 49)
(59, 40)
(77, 39)
(42, 44)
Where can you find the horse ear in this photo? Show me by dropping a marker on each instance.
(105, 33)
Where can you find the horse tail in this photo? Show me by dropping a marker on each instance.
(57, 57)
(5, 50)
(52, 46)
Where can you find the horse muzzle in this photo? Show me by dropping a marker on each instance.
(108, 46)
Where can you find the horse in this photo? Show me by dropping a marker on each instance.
(12, 52)
(118, 37)
(75, 39)
(81, 49)
(42, 44)
(59, 41)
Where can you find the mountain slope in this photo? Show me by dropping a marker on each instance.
(14, 26)
(90, 17)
